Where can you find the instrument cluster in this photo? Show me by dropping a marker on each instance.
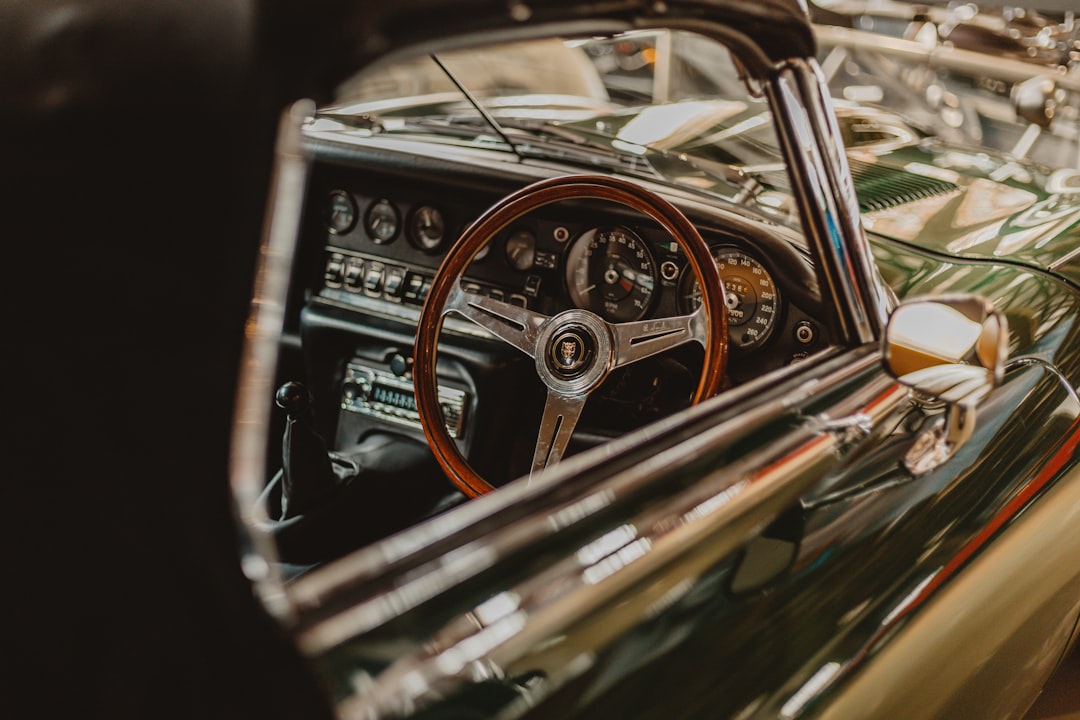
(601, 262)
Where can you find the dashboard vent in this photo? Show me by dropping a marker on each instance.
(880, 187)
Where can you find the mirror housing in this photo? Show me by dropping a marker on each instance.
(949, 349)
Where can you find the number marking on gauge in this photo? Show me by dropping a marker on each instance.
(751, 296)
(610, 271)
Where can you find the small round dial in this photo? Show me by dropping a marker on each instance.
(482, 252)
(382, 221)
(427, 228)
(521, 249)
(753, 300)
(340, 212)
(611, 272)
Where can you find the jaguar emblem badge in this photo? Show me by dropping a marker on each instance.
(571, 351)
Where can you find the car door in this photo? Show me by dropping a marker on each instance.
(762, 554)
(539, 588)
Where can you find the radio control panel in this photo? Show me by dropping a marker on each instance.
(379, 394)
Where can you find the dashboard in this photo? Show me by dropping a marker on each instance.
(375, 234)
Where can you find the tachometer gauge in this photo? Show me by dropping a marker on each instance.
(611, 272)
(382, 221)
(753, 300)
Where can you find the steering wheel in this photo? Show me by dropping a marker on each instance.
(576, 349)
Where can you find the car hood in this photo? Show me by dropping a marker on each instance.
(912, 188)
(972, 203)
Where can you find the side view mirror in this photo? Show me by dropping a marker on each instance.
(950, 349)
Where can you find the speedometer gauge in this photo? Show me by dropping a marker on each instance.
(753, 300)
(610, 271)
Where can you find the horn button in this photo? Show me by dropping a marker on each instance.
(571, 351)
(575, 351)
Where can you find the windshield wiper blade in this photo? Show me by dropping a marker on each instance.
(529, 128)
(549, 140)
(546, 129)
(541, 140)
(361, 121)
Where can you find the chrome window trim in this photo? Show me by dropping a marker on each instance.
(821, 179)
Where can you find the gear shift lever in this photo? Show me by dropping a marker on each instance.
(334, 502)
(307, 473)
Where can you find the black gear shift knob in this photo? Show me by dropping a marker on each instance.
(307, 472)
(294, 398)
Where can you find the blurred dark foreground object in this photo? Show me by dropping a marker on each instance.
(136, 140)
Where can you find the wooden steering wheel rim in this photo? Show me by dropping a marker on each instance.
(498, 218)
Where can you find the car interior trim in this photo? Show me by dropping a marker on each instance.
(703, 429)
(266, 319)
(691, 531)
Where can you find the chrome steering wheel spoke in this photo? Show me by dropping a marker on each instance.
(515, 325)
(561, 415)
(644, 338)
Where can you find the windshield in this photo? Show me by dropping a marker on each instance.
(671, 105)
